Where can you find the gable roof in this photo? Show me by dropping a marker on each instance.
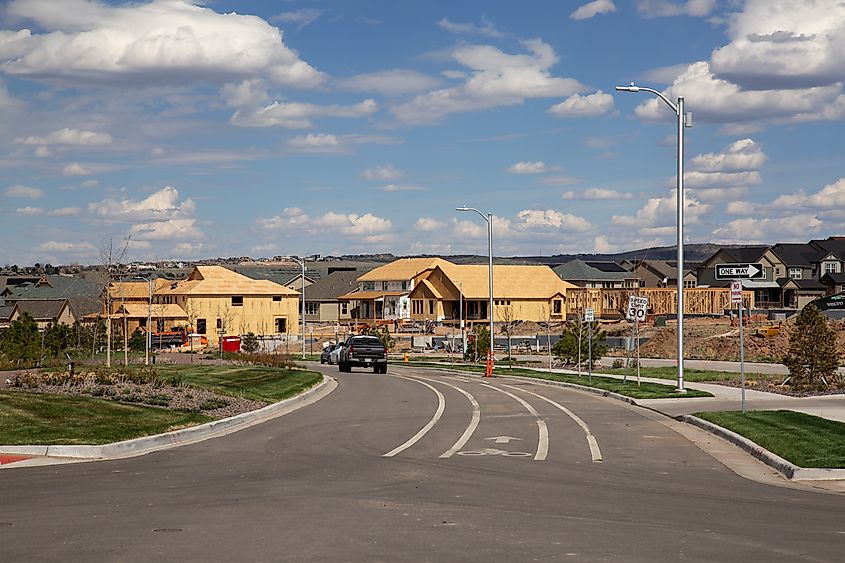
(831, 245)
(403, 269)
(581, 270)
(795, 254)
(509, 281)
(157, 311)
(42, 309)
(217, 280)
(750, 254)
(332, 286)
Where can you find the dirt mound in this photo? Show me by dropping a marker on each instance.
(718, 339)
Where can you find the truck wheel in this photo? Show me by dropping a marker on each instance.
(376, 369)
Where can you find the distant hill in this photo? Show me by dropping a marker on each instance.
(692, 253)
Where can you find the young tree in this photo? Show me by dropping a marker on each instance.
(812, 358)
(111, 257)
(507, 318)
(58, 338)
(570, 348)
(249, 343)
(478, 343)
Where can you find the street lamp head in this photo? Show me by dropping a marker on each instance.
(631, 88)
(464, 208)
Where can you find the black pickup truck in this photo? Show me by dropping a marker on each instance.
(363, 351)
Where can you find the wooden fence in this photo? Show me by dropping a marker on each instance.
(661, 301)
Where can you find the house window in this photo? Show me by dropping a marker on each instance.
(237, 301)
(281, 325)
(200, 326)
(277, 298)
(431, 306)
(312, 308)
(219, 324)
(344, 308)
(689, 283)
(404, 285)
(417, 306)
(384, 286)
(830, 268)
(557, 306)
(368, 286)
(795, 273)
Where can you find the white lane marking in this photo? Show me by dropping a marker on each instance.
(441, 405)
(543, 442)
(473, 423)
(462, 380)
(595, 452)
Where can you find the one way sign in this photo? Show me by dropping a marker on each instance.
(740, 272)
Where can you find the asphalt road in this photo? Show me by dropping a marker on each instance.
(406, 467)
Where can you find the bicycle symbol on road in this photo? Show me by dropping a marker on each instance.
(494, 451)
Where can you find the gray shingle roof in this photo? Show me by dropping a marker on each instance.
(580, 270)
(332, 286)
(42, 309)
(796, 254)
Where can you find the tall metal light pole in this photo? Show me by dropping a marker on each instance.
(489, 218)
(684, 120)
(302, 263)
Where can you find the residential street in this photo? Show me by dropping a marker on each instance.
(418, 465)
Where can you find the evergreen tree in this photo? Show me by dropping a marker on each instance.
(812, 358)
(138, 341)
(58, 339)
(21, 341)
(249, 343)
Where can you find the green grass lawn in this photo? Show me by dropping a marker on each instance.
(39, 418)
(670, 372)
(803, 439)
(259, 383)
(629, 389)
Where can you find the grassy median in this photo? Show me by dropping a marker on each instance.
(42, 418)
(803, 439)
(629, 389)
(259, 383)
(693, 375)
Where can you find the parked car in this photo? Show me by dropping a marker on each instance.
(325, 355)
(334, 355)
(363, 351)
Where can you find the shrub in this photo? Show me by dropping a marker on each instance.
(213, 403)
(618, 363)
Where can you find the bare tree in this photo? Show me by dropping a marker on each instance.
(507, 316)
(546, 315)
(111, 257)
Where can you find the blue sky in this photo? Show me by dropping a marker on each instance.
(225, 128)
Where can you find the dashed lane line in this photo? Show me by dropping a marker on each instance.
(595, 452)
(441, 405)
(543, 442)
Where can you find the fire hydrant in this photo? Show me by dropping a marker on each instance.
(406, 357)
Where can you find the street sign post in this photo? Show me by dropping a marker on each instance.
(736, 298)
(740, 272)
(589, 316)
(637, 312)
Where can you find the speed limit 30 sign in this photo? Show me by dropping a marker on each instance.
(637, 308)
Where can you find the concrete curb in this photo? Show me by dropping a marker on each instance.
(148, 444)
(788, 469)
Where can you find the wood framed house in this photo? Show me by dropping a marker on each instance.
(220, 302)
(520, 293)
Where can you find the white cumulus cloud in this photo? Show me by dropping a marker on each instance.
(170, 41)
(597, 103)
(76, 169)
(495, 79)
(597, 194)
(383, 172)
(593, 8)
(527, 167)
(67, 136)
(298, 115)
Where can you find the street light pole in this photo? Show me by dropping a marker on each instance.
(302, 263)
(489, 218)
(684, 120)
